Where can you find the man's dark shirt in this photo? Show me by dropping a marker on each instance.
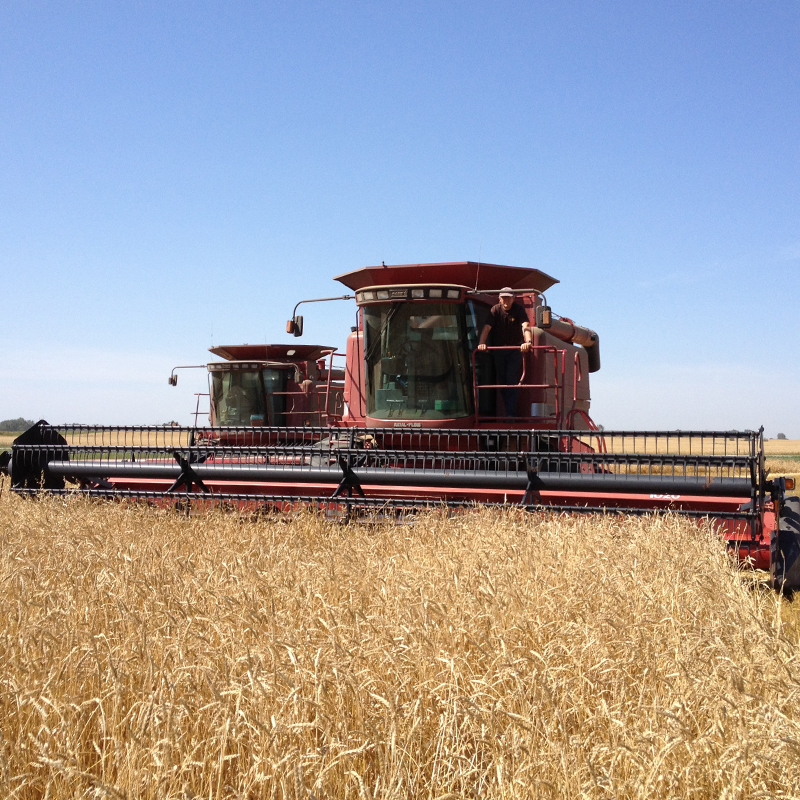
(507, 325)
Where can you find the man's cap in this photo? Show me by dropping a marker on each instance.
(507, 291)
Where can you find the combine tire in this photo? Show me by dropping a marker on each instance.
(786, 562)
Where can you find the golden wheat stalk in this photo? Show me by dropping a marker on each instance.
(149, 655)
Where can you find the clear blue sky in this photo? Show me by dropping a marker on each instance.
(178, 174)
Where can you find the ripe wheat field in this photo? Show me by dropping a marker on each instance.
(145, 654)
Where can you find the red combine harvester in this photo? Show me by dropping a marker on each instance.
(416, 413)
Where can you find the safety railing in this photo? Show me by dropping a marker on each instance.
(196, 413)
(310, 407)
(543, 351)
(316, 405)
(334, 392)
(577, 376)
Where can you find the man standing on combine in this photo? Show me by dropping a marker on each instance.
(509, 327)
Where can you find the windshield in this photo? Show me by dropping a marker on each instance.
(417, 361)
(243, 397)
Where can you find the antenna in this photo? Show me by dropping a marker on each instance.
(478, 271)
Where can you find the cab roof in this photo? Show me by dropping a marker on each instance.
(479, 276)
(270, 352)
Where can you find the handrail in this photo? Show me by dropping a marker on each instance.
(320, 413)
(324, 413)
(556, 352)
(601, 440)
(329, 384)
(198, 395)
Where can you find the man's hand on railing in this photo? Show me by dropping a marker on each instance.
(524, 347)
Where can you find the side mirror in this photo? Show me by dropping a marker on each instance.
(173, 379)
(544, 317)
(295, 326)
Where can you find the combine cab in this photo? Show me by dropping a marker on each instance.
(413, 414)
(275, 385)
(414, 362)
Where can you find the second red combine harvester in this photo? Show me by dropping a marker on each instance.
(415, 413)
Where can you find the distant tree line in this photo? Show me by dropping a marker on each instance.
(14, 425)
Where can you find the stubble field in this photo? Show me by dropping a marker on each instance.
(149, 655)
